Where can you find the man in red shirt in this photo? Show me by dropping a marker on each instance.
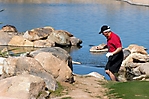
(115, 53)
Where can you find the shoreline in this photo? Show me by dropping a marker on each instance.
(138, 2)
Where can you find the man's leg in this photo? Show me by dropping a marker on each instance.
(111, 75)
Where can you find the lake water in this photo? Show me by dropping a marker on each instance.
(82, 18)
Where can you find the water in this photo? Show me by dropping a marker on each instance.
(82, 18)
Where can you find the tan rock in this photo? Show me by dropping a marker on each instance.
(9, 28)
(60, 37)
(20, 41)
(20, 65)
(21, 87)
(43, 43)
(133, 48)
(38, 33)
(75, 41)
(59, 68)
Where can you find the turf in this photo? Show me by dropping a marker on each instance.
(130, 90)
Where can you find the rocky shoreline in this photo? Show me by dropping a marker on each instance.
(36, 73)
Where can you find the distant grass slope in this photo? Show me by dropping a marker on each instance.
(129, 90)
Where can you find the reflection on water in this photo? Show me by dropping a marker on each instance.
(16, 51)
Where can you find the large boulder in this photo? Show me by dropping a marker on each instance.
(60, 37)
(38, 33)
(57, 61)
(21, 87)
(16, 66)
(59, 68)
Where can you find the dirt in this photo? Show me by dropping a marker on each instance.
(84, 87)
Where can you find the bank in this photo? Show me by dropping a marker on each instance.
(138, 2)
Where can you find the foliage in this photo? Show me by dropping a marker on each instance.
(128, 90)
(4, 54)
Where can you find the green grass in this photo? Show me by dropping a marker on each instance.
(129, 90)
(58, 91)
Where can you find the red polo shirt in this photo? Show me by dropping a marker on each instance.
(113, 42)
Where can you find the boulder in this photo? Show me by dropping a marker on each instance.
(38, 33)
(43, 43)
(16, 66)
(133, 48)
(75, 41)
(135, 57)
(144, 68)
(57, 59)
(60, 37)
(9, 28)
(99, 48)
(21, 87)
(57, 52)
(20, 41)
(59, 68)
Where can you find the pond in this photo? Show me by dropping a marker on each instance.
(82, 18)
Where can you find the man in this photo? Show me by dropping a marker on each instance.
(115, 53)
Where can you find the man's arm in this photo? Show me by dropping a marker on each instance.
(117, 50)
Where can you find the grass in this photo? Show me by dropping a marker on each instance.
(58, 91)
(129, 90)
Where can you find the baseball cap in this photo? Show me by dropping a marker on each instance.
(104, 28)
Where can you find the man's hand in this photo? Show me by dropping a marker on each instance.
(109, 54)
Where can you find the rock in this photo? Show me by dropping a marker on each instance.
(141, 77)
(43, 43)
(1, 64)
(20, 41)
(4, 38)
(133, 48)
(16, 66)
(144, 68)
(99, 48)
(60, 37)
(57, 52)
(75, 41)
(21, 87)
(38, 33)
(9, 28)
(57, 67)
(126, 53)
(55, 60)
(97, 75)
(74, 62)
(135, 57)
